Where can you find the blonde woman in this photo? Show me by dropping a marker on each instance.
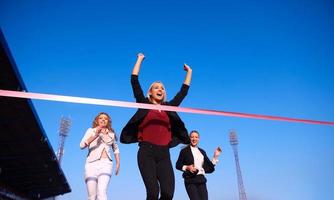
(100, 140)
(156, 131)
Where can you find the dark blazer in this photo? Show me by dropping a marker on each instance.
(129, 133)
(186, 158)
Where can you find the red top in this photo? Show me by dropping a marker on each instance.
(155, 128)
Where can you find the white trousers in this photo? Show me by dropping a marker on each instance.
(97, 176)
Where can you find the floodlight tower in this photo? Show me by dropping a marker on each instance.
(65, 124)
(234, 143)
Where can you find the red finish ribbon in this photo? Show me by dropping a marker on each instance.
(84, 100)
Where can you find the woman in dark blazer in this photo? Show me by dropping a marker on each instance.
(194, 163)
(156, 131)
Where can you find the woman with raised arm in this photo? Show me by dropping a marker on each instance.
(100, 140)
(194, 163)
(156, 131)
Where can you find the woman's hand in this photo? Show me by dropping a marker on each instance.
(191, 168)
(104, 131)
(96, 134)
(141, 56)
(188, 75)
(186, 67)
(117, 169)
(117, 157)
(217, 152)
(98, 129)
(136, 68)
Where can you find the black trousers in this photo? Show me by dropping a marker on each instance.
(156, 170)
(196, 191)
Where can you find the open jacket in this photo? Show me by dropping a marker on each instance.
(186, 158)
(96, 147)
(179, 132)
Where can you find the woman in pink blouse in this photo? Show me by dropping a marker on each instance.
(100, 140)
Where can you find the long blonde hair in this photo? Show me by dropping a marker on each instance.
(109, 127)
(96, 121)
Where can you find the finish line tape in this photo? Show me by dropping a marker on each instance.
(83, 100)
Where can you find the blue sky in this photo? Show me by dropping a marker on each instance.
(261, 57)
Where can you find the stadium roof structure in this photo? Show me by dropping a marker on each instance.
(29, 168)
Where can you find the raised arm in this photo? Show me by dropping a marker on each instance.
(178, 98)
(188, 75)
(216, 154)
(136, 68)
(136, 88)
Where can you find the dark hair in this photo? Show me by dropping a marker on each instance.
(193, 131)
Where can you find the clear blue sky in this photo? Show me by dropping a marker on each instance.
(261, 57)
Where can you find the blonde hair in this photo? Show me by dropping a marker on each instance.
(96, 121)
(150, 88)
(109, 127)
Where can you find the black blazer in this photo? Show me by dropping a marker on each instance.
(129, 133)
(186, 158)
